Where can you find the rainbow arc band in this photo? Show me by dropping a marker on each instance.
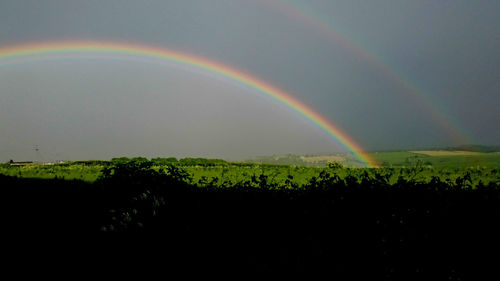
(30, 51)
(438, 112)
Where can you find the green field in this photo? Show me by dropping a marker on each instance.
(417, 166)
(412, 211)
(69, 171)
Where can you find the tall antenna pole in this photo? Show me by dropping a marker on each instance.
(38, 155)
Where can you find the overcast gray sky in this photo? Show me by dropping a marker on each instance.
(385, 71)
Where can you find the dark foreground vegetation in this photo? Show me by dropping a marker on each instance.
(343, 227)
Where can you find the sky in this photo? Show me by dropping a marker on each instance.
(389, 74)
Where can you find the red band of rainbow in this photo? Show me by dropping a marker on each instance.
(25, 51)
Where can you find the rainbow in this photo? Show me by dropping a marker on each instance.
(439, 115)
(50, 50)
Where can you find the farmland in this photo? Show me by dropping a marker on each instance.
(399, 221)
(416, 165)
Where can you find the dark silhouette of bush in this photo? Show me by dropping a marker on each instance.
(354, 227)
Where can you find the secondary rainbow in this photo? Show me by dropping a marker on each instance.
(50, 50)
(299, 12)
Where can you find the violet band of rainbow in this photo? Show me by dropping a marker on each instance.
(438, 112)
(24, 51)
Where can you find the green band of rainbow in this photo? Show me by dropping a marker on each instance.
(24, 51)
(299, 12)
